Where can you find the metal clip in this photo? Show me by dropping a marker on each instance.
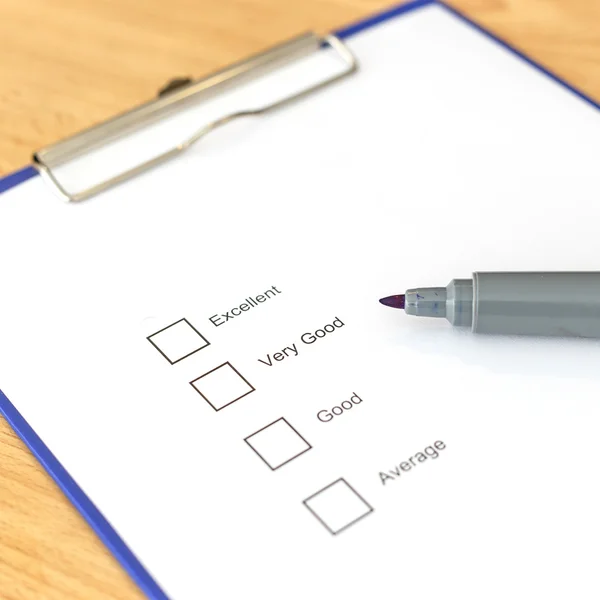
(172, 99)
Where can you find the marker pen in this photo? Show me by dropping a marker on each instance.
(545, 304)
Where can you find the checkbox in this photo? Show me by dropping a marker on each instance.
(337, 506)
(277, 443)
(178, 341)
(222, 386)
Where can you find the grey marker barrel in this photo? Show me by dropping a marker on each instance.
(547, 304)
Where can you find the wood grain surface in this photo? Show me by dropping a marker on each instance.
(67, 64)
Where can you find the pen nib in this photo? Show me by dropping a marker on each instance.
(393, 301)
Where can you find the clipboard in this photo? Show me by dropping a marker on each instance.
(24, 430)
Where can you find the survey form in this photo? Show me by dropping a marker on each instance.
(203, 351)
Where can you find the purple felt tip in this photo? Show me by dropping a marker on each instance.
(393, 301)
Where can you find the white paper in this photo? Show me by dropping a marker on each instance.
(444, 155)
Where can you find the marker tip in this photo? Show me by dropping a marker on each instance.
(393, 301)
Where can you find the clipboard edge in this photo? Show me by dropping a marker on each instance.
(79, 499)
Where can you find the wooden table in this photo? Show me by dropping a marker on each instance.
(70, 63)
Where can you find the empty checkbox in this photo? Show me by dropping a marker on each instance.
(222, 386)
(338, 506)
(178, 341)
(277, 443)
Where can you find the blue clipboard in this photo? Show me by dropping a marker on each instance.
(35, 444)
